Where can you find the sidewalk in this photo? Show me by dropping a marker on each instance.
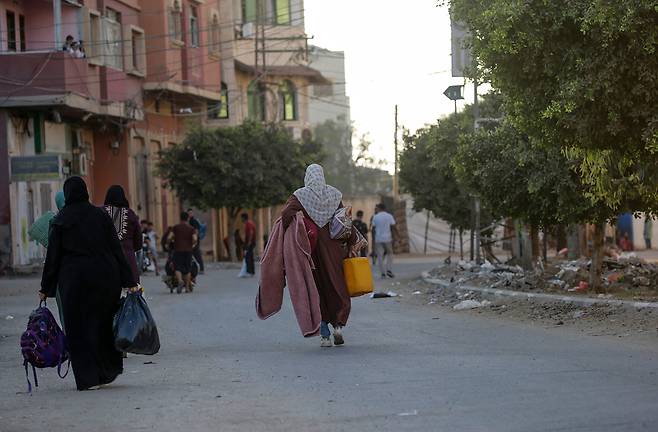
(577, 300)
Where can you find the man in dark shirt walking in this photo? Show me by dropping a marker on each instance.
(185, 238)
(198, 255)
(362, 227)
(249, 243)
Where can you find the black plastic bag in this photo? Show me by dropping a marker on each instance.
(134, 328)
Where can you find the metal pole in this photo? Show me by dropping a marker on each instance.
(427, 228)
(396, 191)
(476, 115)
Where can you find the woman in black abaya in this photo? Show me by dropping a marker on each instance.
(85, 260)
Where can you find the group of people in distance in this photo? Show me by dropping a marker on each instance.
(90, 258)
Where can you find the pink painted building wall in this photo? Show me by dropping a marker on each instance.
(179, 60)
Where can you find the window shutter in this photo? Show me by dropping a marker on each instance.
(127, 33)
(85, 30)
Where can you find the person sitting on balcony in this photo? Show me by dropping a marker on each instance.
(76, 50)
(67, 44)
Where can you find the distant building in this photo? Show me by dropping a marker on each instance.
(329, 101)
(265, 66)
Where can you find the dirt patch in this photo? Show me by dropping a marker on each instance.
(599, 319)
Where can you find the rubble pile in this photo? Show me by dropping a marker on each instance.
(627, 274)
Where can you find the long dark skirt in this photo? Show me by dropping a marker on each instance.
(328, 257)
(90, 295)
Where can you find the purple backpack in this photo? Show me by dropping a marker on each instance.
(43, 344)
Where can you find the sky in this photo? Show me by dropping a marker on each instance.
(396, 52)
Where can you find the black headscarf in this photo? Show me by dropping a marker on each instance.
(76, 203)
(75, 191)
(115, 197)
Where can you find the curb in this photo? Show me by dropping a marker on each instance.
(584, 301)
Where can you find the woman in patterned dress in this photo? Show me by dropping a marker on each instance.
(126, 224)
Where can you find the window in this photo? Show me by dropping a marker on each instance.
(113, 39)
(94, 38)
(213, 46)
(136, 54)
(223, 112)
(176, 22)
(219, 110)
(288, 96)
(21, 30)
(11, 31)
(194, 27)
(133, 41)
(249, 10)
(256, 101)
(281, 12)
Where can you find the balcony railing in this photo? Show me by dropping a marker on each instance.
(34, 75)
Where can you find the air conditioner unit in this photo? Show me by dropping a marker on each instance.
(248, 29)
(82, 161)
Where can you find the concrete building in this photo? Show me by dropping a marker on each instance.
(62, 113)
(183, 78)
(329, 101)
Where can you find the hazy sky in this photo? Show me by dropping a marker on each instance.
(395, 52)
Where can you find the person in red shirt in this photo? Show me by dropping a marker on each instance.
(249, 243)
(185, 238)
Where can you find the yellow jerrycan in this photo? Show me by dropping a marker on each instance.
(358, 276)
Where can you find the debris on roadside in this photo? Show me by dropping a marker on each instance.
(627, 276)
(471, 304)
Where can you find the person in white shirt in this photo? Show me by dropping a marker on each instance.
(384, 227)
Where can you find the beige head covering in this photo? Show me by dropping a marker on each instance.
(318, 198)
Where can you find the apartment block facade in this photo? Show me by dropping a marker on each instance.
(98, 88)
(63, 111)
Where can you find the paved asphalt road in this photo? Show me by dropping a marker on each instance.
(404, 368)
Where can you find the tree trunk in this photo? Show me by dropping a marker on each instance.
(472, 244)
(233, 213)
(534, 239)
(561, 237)
(597, 257)
(573, 242)
(461, 243)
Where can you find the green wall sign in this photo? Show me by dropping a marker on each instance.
(35, 168)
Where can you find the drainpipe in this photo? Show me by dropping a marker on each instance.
(57, 17)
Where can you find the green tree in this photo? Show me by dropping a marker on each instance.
(426, 171)
(523, 180)
(520, 179)
(247, 166)
(578, 75)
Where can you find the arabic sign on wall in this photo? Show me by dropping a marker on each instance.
(35, 168)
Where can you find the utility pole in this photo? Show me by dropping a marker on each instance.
(256, 33)
(396, 191)
(427, 229)
(476, 116)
